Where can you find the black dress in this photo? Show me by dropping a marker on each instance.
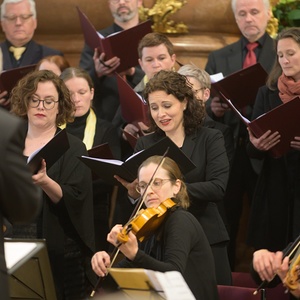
(68, 225)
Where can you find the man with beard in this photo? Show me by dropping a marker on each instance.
(106, 99)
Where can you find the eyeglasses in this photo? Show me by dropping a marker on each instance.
(13, 18)
(118, 1)
(155, 186)
(47, 103)
(198, 90)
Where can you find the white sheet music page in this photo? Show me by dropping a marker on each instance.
(173, 285)
(14, 252)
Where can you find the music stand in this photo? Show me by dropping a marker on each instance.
(28, 266)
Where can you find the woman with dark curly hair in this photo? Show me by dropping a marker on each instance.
(66, 218)
(176, 113)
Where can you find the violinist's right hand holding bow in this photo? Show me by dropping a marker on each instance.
(268, 264)
(263, 264)
(101, 260)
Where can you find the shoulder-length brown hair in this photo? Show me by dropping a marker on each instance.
(292, 33)
(26, 88)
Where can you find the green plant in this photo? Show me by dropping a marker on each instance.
(287, 12)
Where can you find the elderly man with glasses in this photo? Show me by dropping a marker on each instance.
(18, 22)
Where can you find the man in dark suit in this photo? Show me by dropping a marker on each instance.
(18, 22)
(106, 99)
(20, 199)
(252, 18)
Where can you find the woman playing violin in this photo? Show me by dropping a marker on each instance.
(178, 244)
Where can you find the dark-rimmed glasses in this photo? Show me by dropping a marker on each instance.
(47, 103)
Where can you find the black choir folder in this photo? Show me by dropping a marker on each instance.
(133, 107)
(101, 151)
(241, 87)
(9, 78)
(107, 168)
(51, 152)
(122, 44)
(283, 118)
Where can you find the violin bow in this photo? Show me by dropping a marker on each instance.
(288, 252)
(137, 208)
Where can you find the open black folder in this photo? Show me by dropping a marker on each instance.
(9, 78)
(133, 107)
(283, 118)
(51, 152)
(122, 44)
(241, 87)
(107, 168)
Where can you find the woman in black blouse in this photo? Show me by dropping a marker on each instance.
(179, 244)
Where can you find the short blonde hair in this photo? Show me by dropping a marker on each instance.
(200, 75)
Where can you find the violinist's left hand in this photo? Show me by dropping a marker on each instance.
(130, 186)
(295, 144)
(130, 248)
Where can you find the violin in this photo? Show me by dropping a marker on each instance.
(146, 222)
(292, 279)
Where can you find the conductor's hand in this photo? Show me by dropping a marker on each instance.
(266, 141)
(130, 186)
(105, 68)
(263, 264)
(100, 262)
(218, 107)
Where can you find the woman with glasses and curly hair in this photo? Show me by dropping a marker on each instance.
(66, 218)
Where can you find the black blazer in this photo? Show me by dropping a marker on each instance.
(206, 184)
(229, 60)
(20, 200)
(33, 54)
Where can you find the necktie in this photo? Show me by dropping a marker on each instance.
(17, 51)
(250, 58)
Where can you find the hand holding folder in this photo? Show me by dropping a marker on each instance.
(283, 118)
(122, 44)
(240, 87)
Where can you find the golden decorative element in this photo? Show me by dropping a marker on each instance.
(160, 13)
(272, 27)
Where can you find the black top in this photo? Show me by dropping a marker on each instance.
(180, 245)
